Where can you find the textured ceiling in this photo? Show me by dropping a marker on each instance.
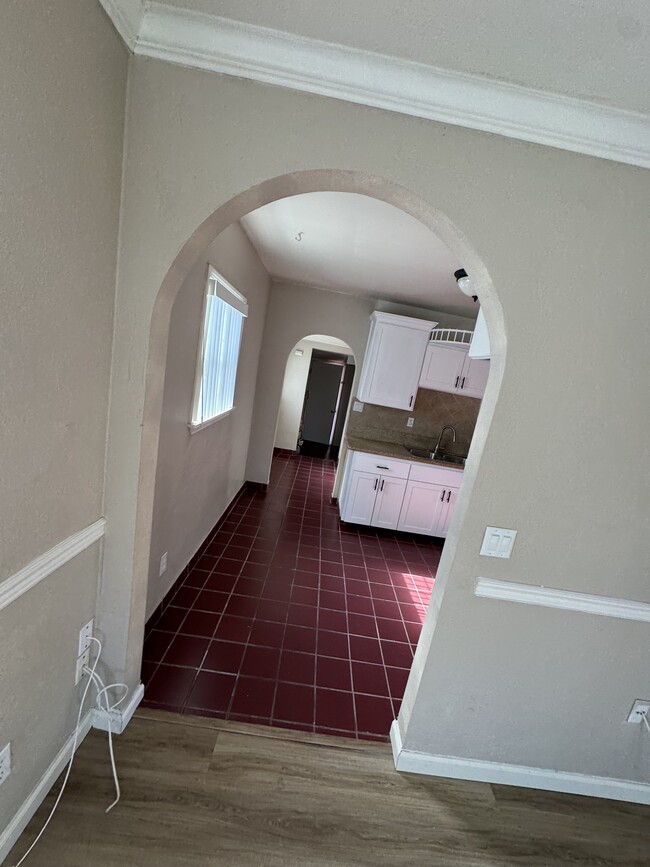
(359, 245)
(591, 49)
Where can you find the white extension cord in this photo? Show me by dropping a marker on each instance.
(102, 692)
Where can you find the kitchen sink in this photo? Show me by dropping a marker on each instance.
(429, 456)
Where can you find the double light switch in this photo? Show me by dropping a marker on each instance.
(498, 542)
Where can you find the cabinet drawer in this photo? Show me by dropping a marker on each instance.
(436, 475)
(379, 465)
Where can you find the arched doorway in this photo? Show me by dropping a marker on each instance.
(268, 192)
(318, 381)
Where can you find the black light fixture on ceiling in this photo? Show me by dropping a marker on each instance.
(464, 283)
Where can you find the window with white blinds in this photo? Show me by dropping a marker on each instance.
(223, 319)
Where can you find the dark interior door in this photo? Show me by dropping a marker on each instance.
(320, 400)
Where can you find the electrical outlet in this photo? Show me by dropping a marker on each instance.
(640, 706)
(5, 763)
(163, 564)
(410, 422)
(357, 406)
(84, 659)
(85, 634)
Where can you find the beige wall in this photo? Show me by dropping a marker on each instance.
(198, 474)
(62, 91)
(296, 373)
(564, 240)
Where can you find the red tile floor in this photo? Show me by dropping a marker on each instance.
(290, 617)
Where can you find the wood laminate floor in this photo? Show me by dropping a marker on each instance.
(213, 792)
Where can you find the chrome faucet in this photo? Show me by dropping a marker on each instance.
(437, 446)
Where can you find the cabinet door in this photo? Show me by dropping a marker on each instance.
(359, 499)
(446, 512)
(394, 363)
(443, 367)
(388, 505)
(423, 503)
(474, 377)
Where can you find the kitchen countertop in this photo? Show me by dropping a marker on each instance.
(393, 450)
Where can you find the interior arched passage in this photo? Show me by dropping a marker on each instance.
(233, 210)
(293, 399)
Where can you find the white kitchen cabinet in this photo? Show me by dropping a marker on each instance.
(446, 512)
(443, 367)
(388, 505)
(393, 360)
(427, 508)
(358, 497)
(448, 367)
(397, 494)
(373, 489)
(474, 377)
(421, 508)
(372, 499)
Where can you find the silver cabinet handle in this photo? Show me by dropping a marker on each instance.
(448, 496)
(442, 497)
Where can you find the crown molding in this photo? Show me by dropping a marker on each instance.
(230, 47)
(126, 16)
(566, 600)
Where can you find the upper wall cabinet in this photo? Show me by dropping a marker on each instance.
(393, 360)
(448, 367)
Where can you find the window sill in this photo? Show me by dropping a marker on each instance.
(195, 428)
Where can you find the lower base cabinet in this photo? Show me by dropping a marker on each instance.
(397, 494)
(375, 500)
(427, 508)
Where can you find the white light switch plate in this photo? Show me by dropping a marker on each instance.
(163, 564)
(640, 706)
(498, 542)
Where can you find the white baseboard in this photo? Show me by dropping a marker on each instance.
(477, 770)
(93, 719)
(17, 825)
(120, 717)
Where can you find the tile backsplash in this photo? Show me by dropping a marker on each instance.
(432, 411)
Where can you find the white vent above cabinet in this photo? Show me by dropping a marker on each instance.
(451, 335)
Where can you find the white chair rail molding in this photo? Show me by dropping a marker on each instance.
(39, 569)
(567, 600)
